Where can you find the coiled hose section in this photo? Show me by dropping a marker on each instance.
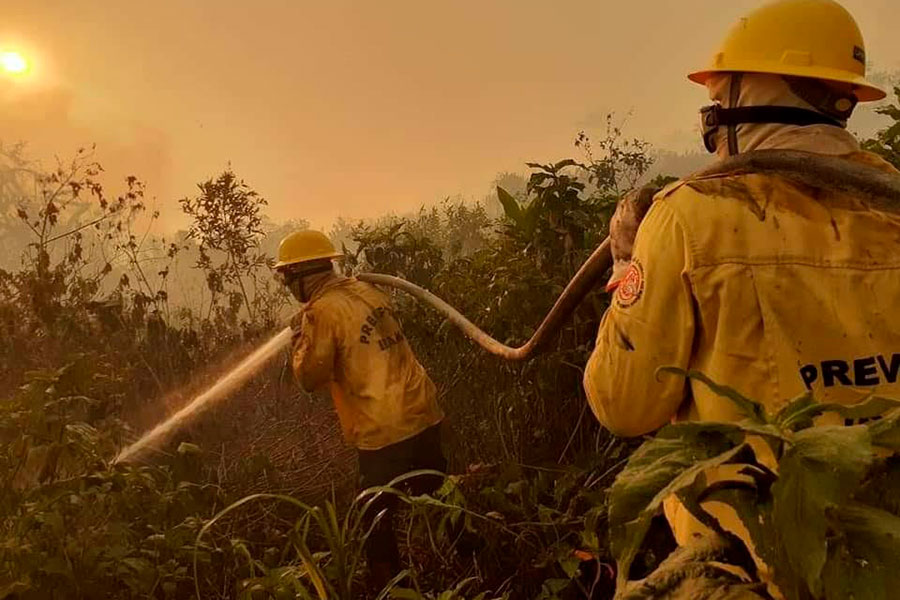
(879, 188)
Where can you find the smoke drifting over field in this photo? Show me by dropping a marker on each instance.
(353, 108)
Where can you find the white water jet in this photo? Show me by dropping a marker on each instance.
(221, 389)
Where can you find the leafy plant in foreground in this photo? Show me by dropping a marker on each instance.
(323, 553)
(832, 483)
(489, 534)
(73, 526)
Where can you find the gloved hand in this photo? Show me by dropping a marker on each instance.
(623, 229)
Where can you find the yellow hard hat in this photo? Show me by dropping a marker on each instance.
(305, 246)
(802, 38)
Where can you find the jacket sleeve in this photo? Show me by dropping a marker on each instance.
(649, 324)
(315, 350)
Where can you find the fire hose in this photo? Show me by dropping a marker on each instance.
(879, 188)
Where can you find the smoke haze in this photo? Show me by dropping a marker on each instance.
(356, 108)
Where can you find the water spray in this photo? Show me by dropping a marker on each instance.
(220, 390)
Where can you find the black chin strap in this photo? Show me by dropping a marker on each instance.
(295, 278)
(787, 115)
(833, 109)
(715, 116)
(734, 100)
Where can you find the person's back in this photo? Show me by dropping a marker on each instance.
(760, 284)
(795, 289)
(381, 392)
(766, 286)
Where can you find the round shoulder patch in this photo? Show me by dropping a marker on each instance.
(632, 285)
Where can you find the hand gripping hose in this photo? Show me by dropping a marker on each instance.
(879, 188)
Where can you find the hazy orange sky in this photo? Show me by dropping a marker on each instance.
(355, 108)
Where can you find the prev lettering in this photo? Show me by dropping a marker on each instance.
(861, 372)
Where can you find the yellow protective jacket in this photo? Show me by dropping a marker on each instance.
(351, 342)
(763, 285)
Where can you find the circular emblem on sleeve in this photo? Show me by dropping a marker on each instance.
(632, 285)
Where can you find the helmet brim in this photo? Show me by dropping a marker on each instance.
(864, 90)
(308, 259)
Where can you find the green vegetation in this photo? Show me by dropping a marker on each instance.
(99, 341)
(106, 328)
(835, 484)
(886, 142)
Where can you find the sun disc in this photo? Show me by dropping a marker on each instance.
(13, 62)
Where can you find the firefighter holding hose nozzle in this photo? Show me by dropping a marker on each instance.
(347, 339)
(765, 285)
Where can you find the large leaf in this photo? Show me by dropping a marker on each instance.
(691, 497)
(797, 413)
(659, 468)
(879, 489)
(871, 408)
(564, 163)
(817, 473)
(511, 207)
(536, 179)
(886, 431)
(530, 216)
(800, 413)
(754, 508)
(753, 410)
(864, 557)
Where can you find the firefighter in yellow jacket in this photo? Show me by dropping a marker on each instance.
(763, 285)
(348, 340)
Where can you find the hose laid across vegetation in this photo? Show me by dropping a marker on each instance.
(578, 287)
(880, 188)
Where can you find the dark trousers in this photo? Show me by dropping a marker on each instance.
(379, 467)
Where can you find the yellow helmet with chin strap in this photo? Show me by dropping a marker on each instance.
(815, 39)
(304, 247)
